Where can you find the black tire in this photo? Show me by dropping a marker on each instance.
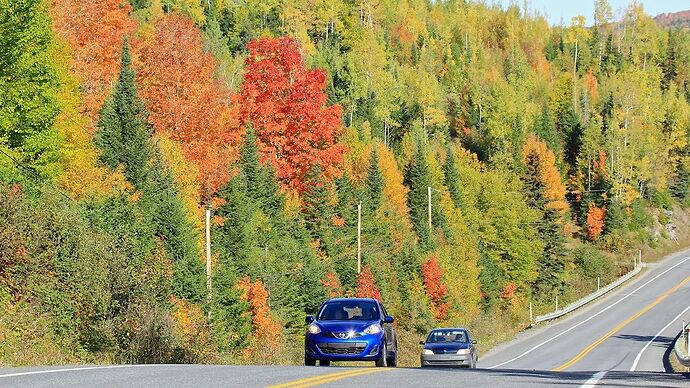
(382, 361)
(324, 362)
(392, 361)
(308, 361)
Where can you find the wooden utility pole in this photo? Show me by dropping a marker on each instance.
(208, 250)
(429, 197)
(359, 237)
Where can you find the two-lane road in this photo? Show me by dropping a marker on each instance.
(629, 330)
(618, 341)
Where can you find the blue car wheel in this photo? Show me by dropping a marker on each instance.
(382, 361)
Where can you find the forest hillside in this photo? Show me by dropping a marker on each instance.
(498, 161)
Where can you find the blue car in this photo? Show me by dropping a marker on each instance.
(350, 329)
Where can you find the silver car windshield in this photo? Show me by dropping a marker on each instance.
(439, 336)
(349, 311)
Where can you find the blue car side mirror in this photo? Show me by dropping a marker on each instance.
(388, 319)
(309, 319)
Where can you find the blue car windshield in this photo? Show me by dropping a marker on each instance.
(449, 335)
(349, 311)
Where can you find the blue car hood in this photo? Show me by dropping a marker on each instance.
(447, 346)
(337, 326)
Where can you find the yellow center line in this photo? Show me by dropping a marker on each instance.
(326, 378)
(613, 331)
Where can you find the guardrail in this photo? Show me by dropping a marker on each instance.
(682, 346)
(577, 304)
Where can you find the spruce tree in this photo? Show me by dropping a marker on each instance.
(162, 203)
(452, 178)
(374, 183)
(250, 164)
(123, 127)
(551, 264)
(571, 131)
(418, 180)
(317, 210)
(545, 128)
(669, 66)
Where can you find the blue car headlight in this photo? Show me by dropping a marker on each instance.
(373, 329)
(314, 329)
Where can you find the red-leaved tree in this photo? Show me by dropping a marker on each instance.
(286, 104)
(432, 275)
(366, 286)
(176, 78)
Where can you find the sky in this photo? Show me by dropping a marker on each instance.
(557, 11)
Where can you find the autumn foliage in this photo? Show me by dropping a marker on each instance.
(332, 283)
(595, 221)
(94, 31)
(432, 275)
(176, 78)
(286, 104)
(267, 331)
(366, 286)
(550, 177)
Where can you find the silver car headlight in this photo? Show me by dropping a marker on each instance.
(428, 351)
(464, 351)
(314, 329)
(372, 329)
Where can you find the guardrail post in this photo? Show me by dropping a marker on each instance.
(556, 302)
(598, 283)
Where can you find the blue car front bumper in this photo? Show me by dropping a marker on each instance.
(364, 348)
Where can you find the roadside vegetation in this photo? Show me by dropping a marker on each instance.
(552, 154)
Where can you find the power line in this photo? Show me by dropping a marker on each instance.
(35, 175)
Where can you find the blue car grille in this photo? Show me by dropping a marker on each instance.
(343, 335)
(342, 348)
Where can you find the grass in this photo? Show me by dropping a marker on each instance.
(675, 364)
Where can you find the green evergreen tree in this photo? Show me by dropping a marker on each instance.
(551, 264)
(123, 127)
(545, 128)
(571, 133)
(374, 183)
(669, 65)
(452, 179)
(418, 179)
(162, 203)
(317, 210)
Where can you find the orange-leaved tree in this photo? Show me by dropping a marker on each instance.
(94, 31)
(177, 81)
(267, 331)
(286, 104)
(595, 221)
(432, 275)
(332, 285)
(554, 189)
(366, 286)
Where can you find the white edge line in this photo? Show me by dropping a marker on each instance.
(40, 372)
(588, 319)
(594, 379)
(639, 355)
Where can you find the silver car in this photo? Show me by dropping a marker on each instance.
(449, 347)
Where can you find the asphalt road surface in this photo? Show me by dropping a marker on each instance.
(621, 340)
